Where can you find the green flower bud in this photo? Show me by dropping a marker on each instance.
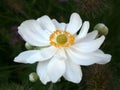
(28, 46)
(101, 28)
(33, 77)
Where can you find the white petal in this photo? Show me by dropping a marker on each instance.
(42, 72)
(46, 23)
(47, 53)
(56, 67)
(32, 33)
(105, 58)
(89, 46)
(84, 30)
(33, 56)
(30, 56)
(59, 26)
(74, 23)
(73, 72)
(90, 36)
(87, 58)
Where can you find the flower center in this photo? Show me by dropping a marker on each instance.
(61, 38)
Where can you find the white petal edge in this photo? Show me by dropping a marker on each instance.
(89, 37)
(56, 67)
(84, 30)
(73, 72)
(89, 46)
(33, 56)
(30, 56)
(106, 57)
(46, 23)
(87, 58)
(74, 23)
(59, 26)
(32, 33)
(42, 72)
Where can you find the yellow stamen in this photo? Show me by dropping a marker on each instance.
(61, 38)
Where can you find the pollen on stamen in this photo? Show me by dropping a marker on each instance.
(61, 38)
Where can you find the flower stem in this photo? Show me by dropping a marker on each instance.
(51, 86)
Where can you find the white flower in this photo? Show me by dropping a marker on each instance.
(65, 50)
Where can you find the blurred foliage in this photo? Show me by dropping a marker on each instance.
(97, 77)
